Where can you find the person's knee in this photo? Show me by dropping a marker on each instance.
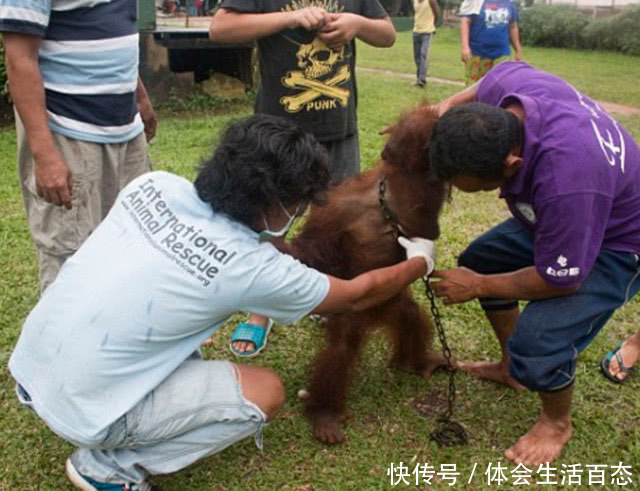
(275, 388)
(263, 387)
(474, 255)
(506, 247)
(538, 380)
(539, 371)
(470, 259)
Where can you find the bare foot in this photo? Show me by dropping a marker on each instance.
(542, 443)
(328, 428)
(491, 370)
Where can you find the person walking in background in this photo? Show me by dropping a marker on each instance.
(487, 29)
(424, 26)
(81, 125)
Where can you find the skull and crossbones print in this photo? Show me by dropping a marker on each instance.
(316, 62)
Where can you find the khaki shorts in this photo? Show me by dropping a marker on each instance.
(99, 172)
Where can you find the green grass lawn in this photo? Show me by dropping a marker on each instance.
(386, 427)
(603, 75)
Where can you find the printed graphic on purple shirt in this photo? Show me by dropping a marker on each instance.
(578, 188)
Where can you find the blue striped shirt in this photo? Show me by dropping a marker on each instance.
(89, 63)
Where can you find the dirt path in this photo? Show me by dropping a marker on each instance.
(612, 107)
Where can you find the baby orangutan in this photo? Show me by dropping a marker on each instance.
(350, 235)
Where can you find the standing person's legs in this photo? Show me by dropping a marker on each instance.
(497, 61)
(417, 44)
(425, 42)
(122, 163)
(56, 232)
(470, 71)
(98, 172)
(344, 156)
(477, 67)
(200, 409)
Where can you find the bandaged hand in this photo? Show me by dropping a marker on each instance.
(419, 247)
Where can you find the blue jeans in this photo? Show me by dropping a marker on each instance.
(550, 333)
(197, 411)
(421, 42)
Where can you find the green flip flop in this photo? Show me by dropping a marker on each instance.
(250, 333)
(606, 361)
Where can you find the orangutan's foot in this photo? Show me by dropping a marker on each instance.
(425, 367)
(542, 443)
(491, 370)
(327, 427)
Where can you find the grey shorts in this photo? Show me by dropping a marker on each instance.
(344, 156)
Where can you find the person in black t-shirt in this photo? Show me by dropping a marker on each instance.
(307, 56)
(307, 63)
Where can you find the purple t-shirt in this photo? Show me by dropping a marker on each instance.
(578, 189)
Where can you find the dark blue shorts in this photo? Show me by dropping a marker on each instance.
(550, 333)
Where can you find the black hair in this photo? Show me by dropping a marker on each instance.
(259, 161)
(474, 139)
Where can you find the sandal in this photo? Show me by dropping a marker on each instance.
(606, 361)
(250, 333)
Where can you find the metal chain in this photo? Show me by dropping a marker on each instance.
(450, 433)
(386, 212)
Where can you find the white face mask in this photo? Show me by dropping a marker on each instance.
(267, 234)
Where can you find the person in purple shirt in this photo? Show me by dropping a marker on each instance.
(570, 175)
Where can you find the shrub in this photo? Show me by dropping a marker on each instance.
(620, 32)
(558, 26)
(563, 26)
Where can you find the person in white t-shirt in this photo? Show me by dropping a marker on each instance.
(109, 357)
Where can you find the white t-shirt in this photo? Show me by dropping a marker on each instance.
(152, 282)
